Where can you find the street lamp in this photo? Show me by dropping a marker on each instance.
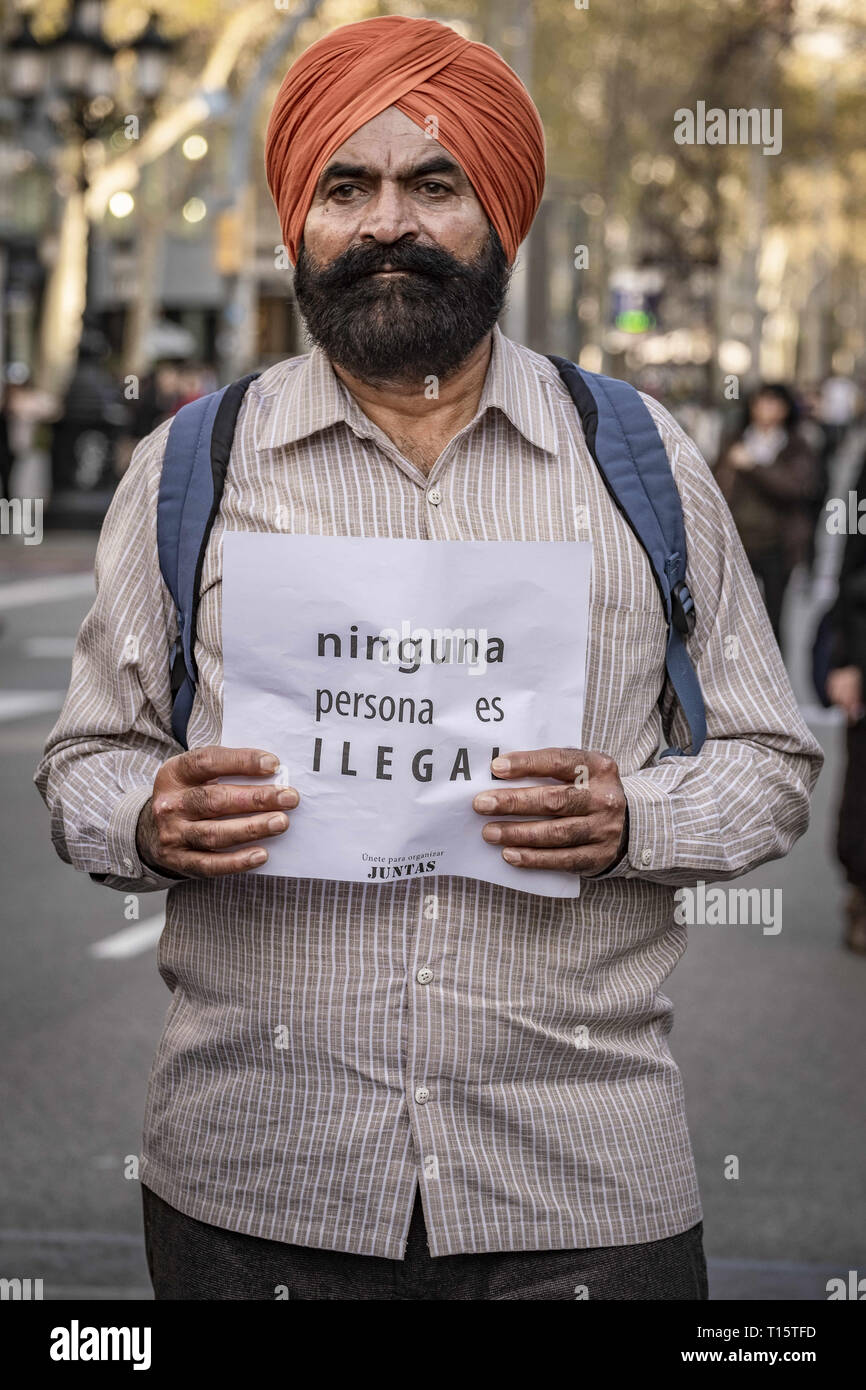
(27, 63)
(152, 51)
(82, 59)
(94, 413)
(81, 69)
(80, 76)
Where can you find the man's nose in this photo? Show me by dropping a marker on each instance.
(389, 215)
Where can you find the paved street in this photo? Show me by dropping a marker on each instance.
(770, 1029)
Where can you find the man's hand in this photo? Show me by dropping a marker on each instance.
(191, 816)
(586, 830)
(845, 689)
(740, 458)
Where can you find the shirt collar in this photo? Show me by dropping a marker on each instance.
(311, 397)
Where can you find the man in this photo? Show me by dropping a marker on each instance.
(497, 1058)
(770, 478)
(846, 684)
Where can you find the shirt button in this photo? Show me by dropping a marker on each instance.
(425, 975)
(434, 496)
(645, 856)
(128, 865)
(422, 1095)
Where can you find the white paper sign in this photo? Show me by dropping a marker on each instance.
(385, 675)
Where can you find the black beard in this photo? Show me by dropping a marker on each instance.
(402, 328)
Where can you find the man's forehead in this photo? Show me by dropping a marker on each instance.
(390, 143)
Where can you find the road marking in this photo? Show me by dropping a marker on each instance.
(48, 646)
(130, 941)
(17, 743)
(22, 704)
(25, 592)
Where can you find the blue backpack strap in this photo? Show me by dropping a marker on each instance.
(628, 450)
(190, 490)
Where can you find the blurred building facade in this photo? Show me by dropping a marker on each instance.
(679, 266)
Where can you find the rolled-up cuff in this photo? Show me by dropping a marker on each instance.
(127, 871)
(651, 829)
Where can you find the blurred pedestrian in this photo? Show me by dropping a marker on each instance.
(159, 395)
(823, 445)
(7, 451)
(770, 478)
(85, 437)
(839, 405)
(190, 384)
(846, 685)
(703, 422)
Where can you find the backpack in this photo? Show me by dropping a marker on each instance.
(622, 439)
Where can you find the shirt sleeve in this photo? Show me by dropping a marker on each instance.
(114, 730)
(744, 799)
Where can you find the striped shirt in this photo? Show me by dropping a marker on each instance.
(308, 1078)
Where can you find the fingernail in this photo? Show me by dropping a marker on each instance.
(258, 856)
(492, 832)
(512, 855)
(485, 802)
(277, 823)
(287, 798)
(501, 764)
(268, 763)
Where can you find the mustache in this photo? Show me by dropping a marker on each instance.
(435, 317)
(360, 261)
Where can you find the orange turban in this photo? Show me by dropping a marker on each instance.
(486, 117)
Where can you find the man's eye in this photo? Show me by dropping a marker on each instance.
(341, 187)
(437, 187)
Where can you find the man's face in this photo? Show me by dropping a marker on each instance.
(400, 273)
(768, 410)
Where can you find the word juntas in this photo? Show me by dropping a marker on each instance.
(736, 126)
(412, 647)
(399, 866)
(417, 866)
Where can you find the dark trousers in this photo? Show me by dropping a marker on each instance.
(189, 1260)
(851, 836)
(774, 570)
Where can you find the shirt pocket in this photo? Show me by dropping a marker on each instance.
(625, 674)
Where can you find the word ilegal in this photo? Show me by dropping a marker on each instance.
(421, 768)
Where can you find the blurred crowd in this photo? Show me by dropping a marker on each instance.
(794, 474)
(164, 390)
(97, 406)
